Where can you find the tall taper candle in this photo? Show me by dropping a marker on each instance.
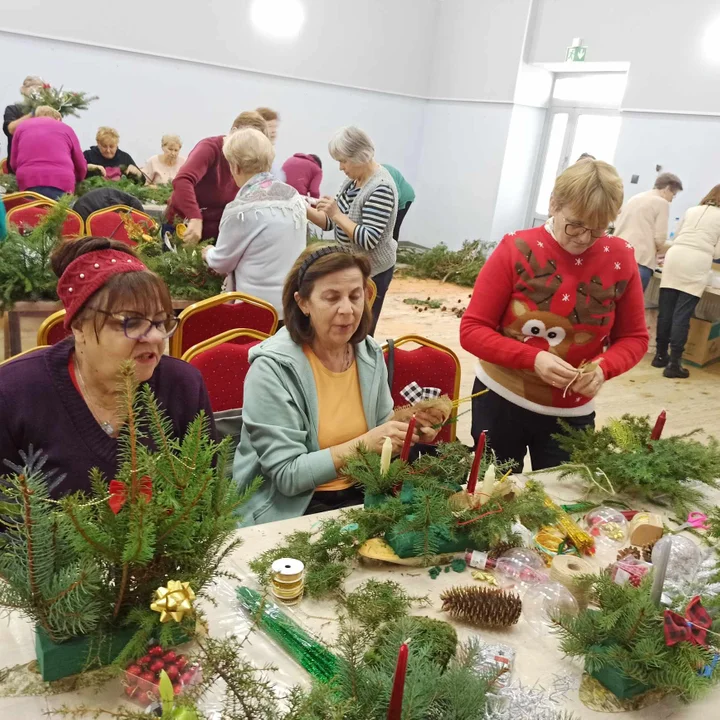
(405, 454)
(660, 569)
(475, 469)
(386, 456)
(398, 689)
(488, 484)
(659, 425)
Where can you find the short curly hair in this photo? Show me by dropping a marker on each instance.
(107, 133)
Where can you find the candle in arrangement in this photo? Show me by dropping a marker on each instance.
(386, 456)
(405, 454)
(479, 452)
(396, 698)
(659, 425)
(488, 484)
(660, 570)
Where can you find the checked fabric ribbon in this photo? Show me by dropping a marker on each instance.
(413, 393)
(691, 628)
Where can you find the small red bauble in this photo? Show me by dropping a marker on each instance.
(172, 671)
(170, 656)
(157, 666)
(177, 688)
(187, 676)
(145, 660)
(156, 651)
(131, 690)
(181, 662)
(148, 677)
(134, 670)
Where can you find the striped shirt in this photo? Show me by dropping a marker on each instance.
(374, 219)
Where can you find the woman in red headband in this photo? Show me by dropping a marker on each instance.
(64, 399)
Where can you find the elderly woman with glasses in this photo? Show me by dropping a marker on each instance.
(64, 399)
(557, 310)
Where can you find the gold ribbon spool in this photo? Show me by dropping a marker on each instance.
(288, 580)
(566, 569)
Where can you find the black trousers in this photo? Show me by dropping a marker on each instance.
(512, 430)
(382, 281)
(335, 499)
(675, 310)
(399, 220)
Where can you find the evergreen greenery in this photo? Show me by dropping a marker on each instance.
(440, 263)
(9, 182)
(64, 101)
(184, 271)
(158, 194)
(378, 601)
(659, 471)
(74, 567)
(363, 468)
(626, 633)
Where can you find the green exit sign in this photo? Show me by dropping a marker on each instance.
(576, 53)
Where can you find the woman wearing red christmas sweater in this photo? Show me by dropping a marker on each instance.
(548, 301)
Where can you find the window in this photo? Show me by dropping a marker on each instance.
(594, 89)
(552, 162)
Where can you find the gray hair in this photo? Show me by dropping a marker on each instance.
(249, 151)
(33, 80)
(668, 180)
(167, 139)
(351, 143)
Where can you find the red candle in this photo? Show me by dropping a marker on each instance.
(659, 425)
(396, 698)
(405, 454)
(474, 471)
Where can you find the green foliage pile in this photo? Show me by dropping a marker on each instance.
(440, 263)
(158, 194)
(66, 102)
(9, 182)
(626, 633)
(363, 468)
(658, 471)
(378, 601)
(432, 304)
(74, 567)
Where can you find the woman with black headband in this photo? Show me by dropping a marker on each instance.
(315, 391)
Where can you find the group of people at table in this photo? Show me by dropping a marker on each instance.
(556, 312)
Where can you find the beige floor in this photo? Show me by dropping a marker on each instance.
(691, 404)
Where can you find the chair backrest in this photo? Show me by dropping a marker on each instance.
(32, 214)
(228, 311)
(15, 199)
(25, 352)
(224, 365)
(429, 365)
(52, 331)
(108, 222)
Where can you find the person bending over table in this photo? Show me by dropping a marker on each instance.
(107, 159)
(64, 399)
(548, 301)
(315, 391)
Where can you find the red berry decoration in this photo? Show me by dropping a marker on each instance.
(181, 662)
(156, 651)
(134, 670)
(177, 688)
(172, 672)
(187, 677)
(157, 666)
(131, 690)
(148, 677)
(145, 660)
(170, 656)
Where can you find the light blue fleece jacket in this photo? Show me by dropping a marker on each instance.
(279, 438)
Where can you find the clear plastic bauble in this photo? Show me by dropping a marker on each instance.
(544, 601)
(607, 526)
(684, 560)
(519, 568)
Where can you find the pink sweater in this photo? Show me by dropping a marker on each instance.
(46, 152)
(304, 174)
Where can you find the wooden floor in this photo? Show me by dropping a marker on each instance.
(690, 404)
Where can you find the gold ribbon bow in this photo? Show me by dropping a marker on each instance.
(174, 601)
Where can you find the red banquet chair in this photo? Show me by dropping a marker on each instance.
(108, 223)
(52, 331)
(228, 311)
(429, 365)
(223, 363)
(12, 200)
(32, 214)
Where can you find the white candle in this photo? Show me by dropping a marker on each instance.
(386, 456)
(488, 484)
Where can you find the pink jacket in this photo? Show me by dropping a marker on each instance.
(304, 174)
(46, 152)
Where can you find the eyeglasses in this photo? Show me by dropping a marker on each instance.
(137, 328)
(577, 230)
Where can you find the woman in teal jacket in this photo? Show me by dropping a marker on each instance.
(315, 391)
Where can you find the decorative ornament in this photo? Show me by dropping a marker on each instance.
(629, 552)
(607, 525)
(582, 541)
(645, 528)
(119, 492)
(180, 230)
(647, 551)
(482, 607)
(174, 601)
(414, 394)
(475, 469)
(544, 602)
(484, 576)
(684, 558)
(500, 549)
(691, 628)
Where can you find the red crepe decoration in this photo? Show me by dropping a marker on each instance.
(691, 628)
(396, 698)
(405, 454)
(474, 471)
(119, 495)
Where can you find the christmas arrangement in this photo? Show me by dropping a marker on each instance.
(158, 194)
(64, 101)
(99, 575)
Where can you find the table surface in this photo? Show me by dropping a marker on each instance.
(538, 659)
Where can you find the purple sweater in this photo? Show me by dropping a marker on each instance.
(40, 406)
(46, 152)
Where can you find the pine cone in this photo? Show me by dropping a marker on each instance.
(480, 606)
(503, 546)
(629, 552)
(647, 552)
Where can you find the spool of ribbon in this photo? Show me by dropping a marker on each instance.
(691, 628)
(414, 393)
(288, 580)
(173, 602)
(567, 570)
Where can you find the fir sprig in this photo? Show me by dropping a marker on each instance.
(378, 601)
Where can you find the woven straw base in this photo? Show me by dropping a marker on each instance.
(597, 697)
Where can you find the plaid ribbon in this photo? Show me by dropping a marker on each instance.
(413, 393)
(691, 628)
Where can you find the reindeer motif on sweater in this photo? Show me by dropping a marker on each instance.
(533, 296)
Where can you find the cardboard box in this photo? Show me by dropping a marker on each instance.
(703, 343)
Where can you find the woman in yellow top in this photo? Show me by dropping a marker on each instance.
(315, 391)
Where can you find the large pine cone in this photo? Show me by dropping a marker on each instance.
(480, 606)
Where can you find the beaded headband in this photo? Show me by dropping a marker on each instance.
(315, 256)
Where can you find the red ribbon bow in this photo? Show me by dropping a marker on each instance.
(118, 492)
(691, 628)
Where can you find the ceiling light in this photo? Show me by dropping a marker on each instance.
(278, 19)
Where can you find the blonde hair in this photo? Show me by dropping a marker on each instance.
(668, 180)
(47, 111)
(249, 151)
(251, 119)
(593, 189)
(107, 133)
(353, 144)
(167, 139)
(268, 114)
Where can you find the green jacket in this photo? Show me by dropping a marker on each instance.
(406, 194)
(278, 440)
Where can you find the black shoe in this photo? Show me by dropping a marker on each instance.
(676, 370)
(660, 360)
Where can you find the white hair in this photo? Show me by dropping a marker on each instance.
(352, 144)
(249, 150)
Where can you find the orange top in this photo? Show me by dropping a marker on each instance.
(341, 416)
